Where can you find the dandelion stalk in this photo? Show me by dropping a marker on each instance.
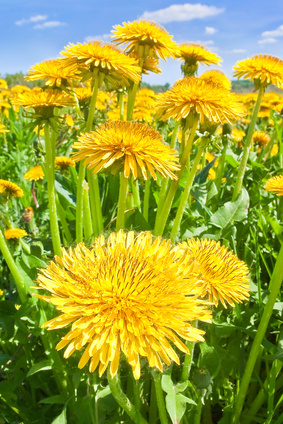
(241, 173)
(65, 226)
(146, 199)
(122, 400)
(221, 165)
(275, 285)
(120, 223)
(50, 176)
(18, 278)
(88, 229)
(160, 397)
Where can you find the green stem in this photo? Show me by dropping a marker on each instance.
(275, 284)
(65, 226)
(88, 230)
(160, 397)
(131, 100)
(122, 202)
(122, 400)
(153, 412)
(241, 173)
(89, 122)
(188, 362)
(186, 193)
(121, 104)
(136, 193)
(18, 278)
(50, 177)
(146, 199)
(95, 199)
(80, 204)
(221, 165)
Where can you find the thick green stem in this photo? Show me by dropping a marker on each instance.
(136, 193)
(185, 195)
(146, 199)
(65, 226)
(18, 278)
(122, 202)
(95, 200)
(121, 104)
(89, 121)
(160, 397)
(275, 284)
(131, 100)
(88, 230)
(221, 165)
(188, 361)
(122, 400)
(80, 204)
(50, 176)
(241, 173)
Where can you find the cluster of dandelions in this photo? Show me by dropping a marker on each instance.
(138, 295)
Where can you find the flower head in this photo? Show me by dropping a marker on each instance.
(196, 95)
(124, 294)
(96, 59)
(275, 184)
(193, 54)
(146, 39)
(218, 273)
(3, 84)
(263, 68)
(54, 72)
(261, 137)
(135, 148)
(63, 163)
(14, 233)
(9, 189)
(34, 174)
(3, 129)
(217, 77)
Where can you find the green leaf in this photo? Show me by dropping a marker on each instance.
(61, 419)
(66, 194)
(40, 366)
(53, 399)
(232, 211)
(175, 401)
(105, 392)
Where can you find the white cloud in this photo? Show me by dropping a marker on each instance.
(103, 37)
(237, 51)
(267, 40)
(36, 18)
(271, 34)
(181, 12)
(210, 30)
(49, 24)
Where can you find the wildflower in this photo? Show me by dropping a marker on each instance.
(261, 138)
(14, 233)
(125, 294)
(262, 68)
(218, 273)
(275, 184)
(192, 95)
(9, 189)
(145, 39)
(63, 163)
(54, 72)
(28, 214)
(3, 130)
(217, 77)
(34, 174)
(193, 54)
(3, 84)
(135, 148)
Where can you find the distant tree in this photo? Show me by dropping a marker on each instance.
(19, 79)
(156, 88)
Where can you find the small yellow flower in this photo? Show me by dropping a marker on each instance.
(54, 72)
(217, 77)
(63, 163)
(261, 138)
(34, 174)
(193, 54)
(3, 84)
(129, 146)
(275, 185)
(218, 273)
(14, 233)
(3, 130)
(125, 294)
(9, 189)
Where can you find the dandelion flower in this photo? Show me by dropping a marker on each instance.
(3, 84)
(264, 68)
(261, 137)
(3, 129)
(34, 174)
(193, 54)
(125, 294)
(135, 148)
(14, 233)
(196, 95)
(218, 273)
(217, 77)
(146, 39)
(95, 59)
(54, 72)
(63, 163)
(9, 189)
(275, 184)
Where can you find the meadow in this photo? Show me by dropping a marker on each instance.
(141, 234)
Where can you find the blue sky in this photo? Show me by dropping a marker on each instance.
(32, 31)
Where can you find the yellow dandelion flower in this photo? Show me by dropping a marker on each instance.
(19, 89)
(95, 59)
(34, 174)
(264, 68)
(14, 233)
(274, 150)
(275, 185)
(9, 189)
(83, 94)
(129, 146)
(218, 274)
(63, 163)
(54, 72)
(261, 137)
(69, 120)
(145, 39)
(3, 129)
(263, 113)
(124, 294)
(217, 77)
(196, 95)
(3, 84)
(193, 54)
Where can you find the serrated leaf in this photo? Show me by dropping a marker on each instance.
(231, 211)
(40, 366)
